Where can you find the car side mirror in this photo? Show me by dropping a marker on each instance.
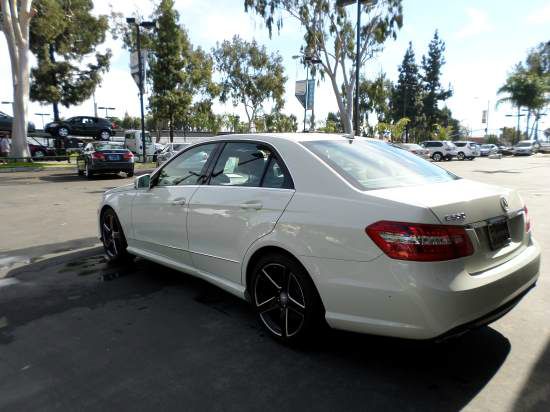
(142, 182)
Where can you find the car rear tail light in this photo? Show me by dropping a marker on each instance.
(128, 155)
(98, 156)
(527, 219)
(114, 125)
(420, 242)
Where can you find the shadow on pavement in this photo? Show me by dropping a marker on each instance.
(535, 395)
(141, 334)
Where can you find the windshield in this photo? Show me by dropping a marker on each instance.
(411, 146)
(487, 146)
(369, 165)
(178, 147)
(524, 144)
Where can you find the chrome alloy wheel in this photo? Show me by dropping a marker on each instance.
(279, 299)
(111, 236)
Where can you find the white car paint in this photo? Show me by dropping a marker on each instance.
(216, 230)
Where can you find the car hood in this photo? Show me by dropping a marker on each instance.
(125, 188)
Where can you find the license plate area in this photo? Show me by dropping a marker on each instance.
(113, 157)
(498, 232)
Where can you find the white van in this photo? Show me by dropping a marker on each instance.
(132, 141)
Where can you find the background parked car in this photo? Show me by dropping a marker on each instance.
(506, 150)
(440, 149)
(39, 151)
(132, 141)
(488, 149)
(526, 147)
(100, 129)
(466, 150)
(6, 122)
(105, 157)
(415, 148)
(169, 150)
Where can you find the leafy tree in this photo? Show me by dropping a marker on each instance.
(333, 124)
(178, 71)
(330, 37)
(62, 34)
(492, 139)
(200, 118)
(406, 97)
(433, 93)
(14, 22)
(375, 98)
(249, 75)
(277, 122)
(130, 122)
(442, 132)
(393, 131)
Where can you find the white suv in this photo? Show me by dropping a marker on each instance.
(440, 149)
(466, 150)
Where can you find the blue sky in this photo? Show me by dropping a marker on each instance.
(484, 39)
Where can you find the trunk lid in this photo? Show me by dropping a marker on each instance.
(473, 205)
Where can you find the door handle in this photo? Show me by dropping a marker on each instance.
(178, 202)
(251, 205)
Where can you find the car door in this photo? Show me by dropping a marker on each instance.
(247, 192)
(159, 214)
(89, 126)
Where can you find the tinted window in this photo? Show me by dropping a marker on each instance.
(187, 168)
(276, 176)
(460, 144)
(374, 165)
(240, 164)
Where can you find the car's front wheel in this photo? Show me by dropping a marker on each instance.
(437, 157)
(63, 131)
(104, 135)
(460, 156)
(285, 299)
(112, 236)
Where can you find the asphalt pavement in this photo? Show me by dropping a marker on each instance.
(78, 333)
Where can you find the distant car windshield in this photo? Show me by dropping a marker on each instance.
(372, 165)
(487, 146)
(411, 146)
(108, 146)
(178, 147)
(524, 144)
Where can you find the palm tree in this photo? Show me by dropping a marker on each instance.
(525, 89)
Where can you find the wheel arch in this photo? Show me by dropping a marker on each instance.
(263, 250)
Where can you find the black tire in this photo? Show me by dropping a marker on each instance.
(437, 157)
(104, 134)
(88, 172)
(112, 236)
(130, 173)
(460, 156)
(285, 299)
(62, 131)
(80, 172)
(39, 154)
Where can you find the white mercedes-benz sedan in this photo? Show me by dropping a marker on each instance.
(315, 227)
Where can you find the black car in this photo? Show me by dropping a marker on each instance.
(100, 129)
(6, 122)
(105, 157)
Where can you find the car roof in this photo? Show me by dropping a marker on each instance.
(287, 137)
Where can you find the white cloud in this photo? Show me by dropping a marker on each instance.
(540, 16)
(478, 23)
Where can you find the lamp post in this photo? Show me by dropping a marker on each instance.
(145, 25)
(308, 60)
(106, 110)
(42, 116)
(343, 3)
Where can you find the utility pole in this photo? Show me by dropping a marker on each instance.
(357, 61)
(106, 110)
(42, 116)
(147, 25)
(518, 132)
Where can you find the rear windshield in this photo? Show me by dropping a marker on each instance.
(368, 164)
(108, 146)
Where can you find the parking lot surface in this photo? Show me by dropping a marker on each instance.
(79, 333)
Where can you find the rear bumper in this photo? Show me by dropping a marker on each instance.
(419, 300)
(107, 167)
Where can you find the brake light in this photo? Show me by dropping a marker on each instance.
(128, 155)
(527, 219)
(114, 125)
(420, 242)
(98, 156)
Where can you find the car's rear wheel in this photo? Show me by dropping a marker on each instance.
(104, 135)
(130, 173)
(460, 156)
(112, 236)
(39, 154)
(437, 157)
(285, 299)
(62, 132)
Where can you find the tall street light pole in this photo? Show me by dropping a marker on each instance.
(106, 110)
(518, 133)
(146, 25)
